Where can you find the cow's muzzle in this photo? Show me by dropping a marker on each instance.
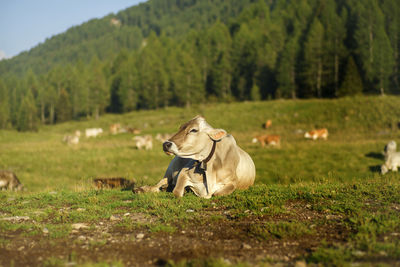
(167, 147)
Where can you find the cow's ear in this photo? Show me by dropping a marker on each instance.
(216, 134)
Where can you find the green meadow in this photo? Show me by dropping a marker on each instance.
(318, 201)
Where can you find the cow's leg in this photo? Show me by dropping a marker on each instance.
(226, 190)
(394, 168)
(155, 189)
(181, 183)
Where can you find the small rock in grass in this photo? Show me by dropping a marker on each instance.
(80, 209)
(140, 236)
(16, 218)
(246, 246)
(358, 253)
(300, 264)
(114, 218)
(45, 230)
(189, 210)
(127, 214)
(78, 226)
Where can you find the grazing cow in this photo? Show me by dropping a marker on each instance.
(114, 128)
(8, 180)
(392, 158)
(207, 160)
(72, 139)
(93, 132)
(117, 182)
(315, 134)
(270, 140)
(145, 142)
(267, 124)
(163, 137)
(133, 130)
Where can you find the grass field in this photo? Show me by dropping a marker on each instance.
(313, 202)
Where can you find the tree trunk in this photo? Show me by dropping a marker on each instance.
(52, 115)
(381, 86)
(319, 78)
(188, 92)
(336, 71)
(371, 40)
(293, 82)
(42, 117)
(96, 112)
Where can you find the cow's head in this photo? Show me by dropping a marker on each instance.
(194, 139)
(390, 147)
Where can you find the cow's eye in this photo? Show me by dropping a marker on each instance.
(194, 131)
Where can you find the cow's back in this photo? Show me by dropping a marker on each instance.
(245, 171)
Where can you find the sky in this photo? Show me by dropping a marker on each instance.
(26, 23)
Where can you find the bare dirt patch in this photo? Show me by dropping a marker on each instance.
(216, 234)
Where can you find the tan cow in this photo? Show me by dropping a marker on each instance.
(267, 124)
(207, 160)
(114, 128)
(268, 139)
(315, 134)
(163, 137)
(72, 139)
(143, 142)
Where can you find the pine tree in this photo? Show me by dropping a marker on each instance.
(374, 49)
(391, 10)
(255, 92)
(4, 106)
(98, 91)
(27, 118)
(186, 81)
(63, 107)
(295, 18)
(352, 83)
(313, 60)
(335, 33)
(244, 57)
(286, 69)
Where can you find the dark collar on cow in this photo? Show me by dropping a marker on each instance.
(203, 164)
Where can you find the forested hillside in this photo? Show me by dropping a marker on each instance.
(180, 52)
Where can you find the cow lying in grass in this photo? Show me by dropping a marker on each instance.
(207, 160)
(315, 134)
(143, 142)
(392, 158)
(268, 139)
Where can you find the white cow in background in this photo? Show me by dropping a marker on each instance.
(392, 158)
(93, 132)
(143, 142)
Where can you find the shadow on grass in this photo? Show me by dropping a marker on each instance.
(375, 155)
(375, 168)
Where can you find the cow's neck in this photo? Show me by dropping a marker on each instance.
(206, 160)
(203, 164)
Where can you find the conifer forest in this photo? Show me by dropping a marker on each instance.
(164, 53)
